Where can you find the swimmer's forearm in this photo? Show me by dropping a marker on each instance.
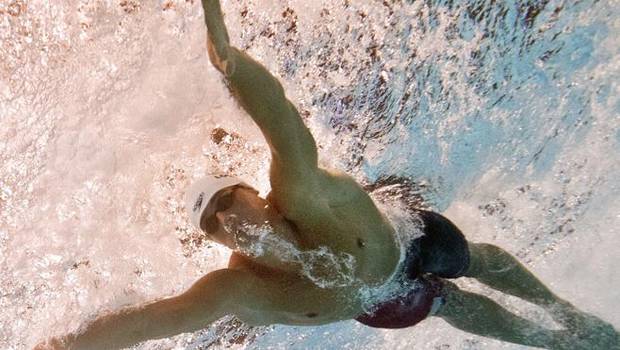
(106, 332)
(262, 96)
(214, 19)
(202, 304)
(116, 330)
(133, 325)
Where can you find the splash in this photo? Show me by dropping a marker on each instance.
(324, 267)
(505, 111)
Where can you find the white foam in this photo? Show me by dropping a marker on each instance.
(107, 109)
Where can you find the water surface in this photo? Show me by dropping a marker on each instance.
(506, 113)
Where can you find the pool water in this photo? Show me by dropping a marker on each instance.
(506, 114)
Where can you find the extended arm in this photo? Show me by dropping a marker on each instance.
(217, 36)
(196, 308)
(294, 155)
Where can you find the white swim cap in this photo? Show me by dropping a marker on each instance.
(200, 193)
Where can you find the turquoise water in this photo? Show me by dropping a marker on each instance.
(506, 113)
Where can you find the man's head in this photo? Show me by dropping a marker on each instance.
(219, 205)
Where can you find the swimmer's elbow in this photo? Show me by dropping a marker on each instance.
(205, 300)
(220, 58)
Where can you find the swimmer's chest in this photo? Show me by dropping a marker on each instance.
(343, 218)
(294, 300)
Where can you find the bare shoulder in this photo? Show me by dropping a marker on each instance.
(342, 189)
(320, 191)
(315, 182)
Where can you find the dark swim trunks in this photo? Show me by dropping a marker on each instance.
(441, 252)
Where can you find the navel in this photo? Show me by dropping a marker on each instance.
(361, 243)
(311, 314)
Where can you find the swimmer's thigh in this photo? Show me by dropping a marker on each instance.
(478, 314)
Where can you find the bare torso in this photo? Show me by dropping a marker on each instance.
(322, 209)
(343, 221)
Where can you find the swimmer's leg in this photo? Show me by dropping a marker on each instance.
(499, 270)
(482, 316)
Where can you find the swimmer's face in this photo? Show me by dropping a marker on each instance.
(234, 206)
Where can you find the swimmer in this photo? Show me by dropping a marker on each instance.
(310, 208)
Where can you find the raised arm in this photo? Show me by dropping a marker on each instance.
(206, 301)
(294, 155)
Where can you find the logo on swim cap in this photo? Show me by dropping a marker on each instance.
(198, 195)
(198, 203)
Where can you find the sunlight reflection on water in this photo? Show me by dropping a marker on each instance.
(506, 112)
